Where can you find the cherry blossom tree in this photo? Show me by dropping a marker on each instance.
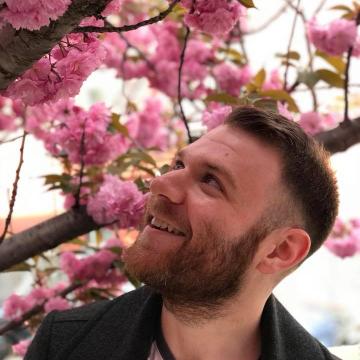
(193, 56)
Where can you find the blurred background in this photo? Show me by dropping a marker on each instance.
(324, 293)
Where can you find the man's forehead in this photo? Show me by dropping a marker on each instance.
(245, 156)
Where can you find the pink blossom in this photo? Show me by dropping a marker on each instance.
(33, 14)
(283, 110)
(342, 247)
(118, 201)
(334, 38)
(21, 347)
(231, 78)
(216, 17)
(14, 306)
(215, 115)
(79, 134)
(91, 267)
(273, 82)
(6, 122)
(112, 8)
(61, 74)
(147, 127)
(38, 295)
(313, 122)
(56, 303)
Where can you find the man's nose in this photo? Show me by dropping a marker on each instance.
(172, 185)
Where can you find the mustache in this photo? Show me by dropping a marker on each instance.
(160, 206)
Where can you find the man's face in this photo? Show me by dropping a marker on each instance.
(205, 217)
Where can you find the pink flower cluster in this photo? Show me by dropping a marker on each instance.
(32, 14)
(15, 306)
(93, 267)
(79, 134)
(215, 115)
(9, 111)
(231, 78)
(165, 59)
(334, 38)
(21, 347)
(117, 201)
(61, 73)
(313, 122)
(273, 81)
(160, 44)
(97, 270)
(147, 127)
(215, 17)
(344, 240)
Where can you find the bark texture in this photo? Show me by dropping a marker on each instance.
(19, 50)
(44, 236)
(341, 138)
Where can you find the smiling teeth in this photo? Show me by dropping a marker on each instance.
(163, 225)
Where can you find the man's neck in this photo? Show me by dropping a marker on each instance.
(233, 334)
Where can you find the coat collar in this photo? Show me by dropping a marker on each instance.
(125, 328)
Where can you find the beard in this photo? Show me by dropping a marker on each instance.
(203, 272)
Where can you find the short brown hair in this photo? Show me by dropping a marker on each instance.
(306, 171)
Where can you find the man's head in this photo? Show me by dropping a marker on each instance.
(245, 197)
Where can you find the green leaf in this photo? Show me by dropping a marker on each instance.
(281, 95)
(115, 123)
(294, 55)
(308, 78)
(234, 55)
(247, 3)
(257, 81)
(19, 267)
(222, 98)
(341, 7)
(330, 77)
(335, 61)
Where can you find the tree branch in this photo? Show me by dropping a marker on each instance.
(342, 137)
(44, 236)
(15, 58)
(182, 59)
(15, 187)
(125, 28)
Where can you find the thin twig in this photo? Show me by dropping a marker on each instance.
(308, 48)
(11, 140)
(182, 59)
(12, 324)
(15, 187)
(161, 16)
(268, 22)
(346, 120)
(142, 55)
(289, 45)
(82, 167)
(319, 8)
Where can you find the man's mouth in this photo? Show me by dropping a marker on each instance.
(158, 224)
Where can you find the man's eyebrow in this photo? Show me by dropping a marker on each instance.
(221, 170)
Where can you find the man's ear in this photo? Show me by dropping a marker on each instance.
(284, 250)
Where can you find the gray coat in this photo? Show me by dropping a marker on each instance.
(124, 329)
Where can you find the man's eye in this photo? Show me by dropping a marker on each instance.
(178, 164)
(212, 181)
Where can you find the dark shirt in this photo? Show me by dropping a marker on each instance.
(125, 328)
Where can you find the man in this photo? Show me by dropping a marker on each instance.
(240, 209)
